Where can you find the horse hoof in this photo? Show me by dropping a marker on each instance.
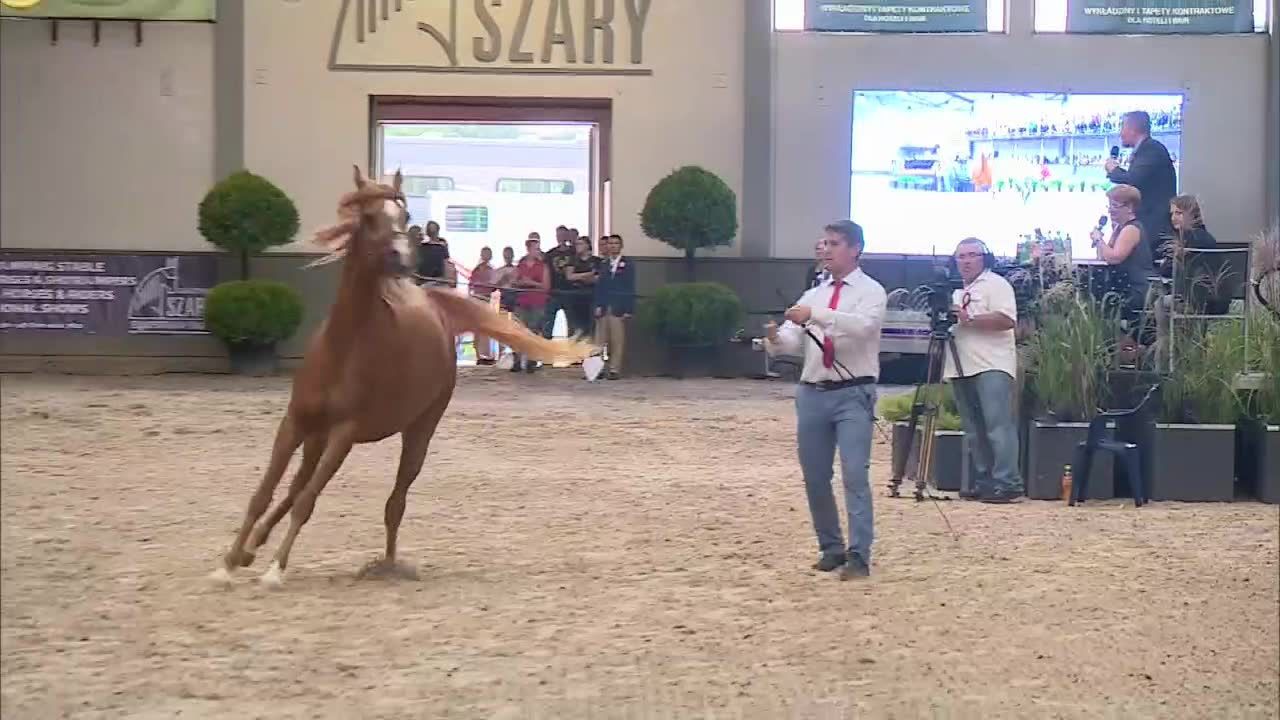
(240, 558)
(383, 569)
(272, 578)
(221, 577)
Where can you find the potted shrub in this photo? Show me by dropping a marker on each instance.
(1067, 363)
(693, 321)
(250, 317)
(245, 214)
(950, 451)
(689, 209)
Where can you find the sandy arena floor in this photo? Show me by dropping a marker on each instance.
(649, 560)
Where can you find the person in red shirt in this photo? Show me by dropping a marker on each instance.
(533, 280)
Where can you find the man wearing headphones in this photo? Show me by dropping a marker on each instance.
(987, 313)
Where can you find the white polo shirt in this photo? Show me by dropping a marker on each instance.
(983, 350)
(853, 325)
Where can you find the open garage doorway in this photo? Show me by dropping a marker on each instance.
(490, 171)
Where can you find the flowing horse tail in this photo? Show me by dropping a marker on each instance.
(468, 315)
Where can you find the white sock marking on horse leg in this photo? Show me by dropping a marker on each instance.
(221, 576)
(272, 578)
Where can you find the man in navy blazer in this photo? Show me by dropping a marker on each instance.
(615, 301)
(1151, 171)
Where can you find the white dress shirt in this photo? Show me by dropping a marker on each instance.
(853, 326)
(983, 350)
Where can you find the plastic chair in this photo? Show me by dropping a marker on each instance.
(1099, 438)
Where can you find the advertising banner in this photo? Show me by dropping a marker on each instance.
(175, 10)
(1121, 17)
(113, 295)
(896, 16)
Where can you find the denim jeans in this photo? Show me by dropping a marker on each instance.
(989, 396)
(825, 420)
(532, 317)
(553, 307)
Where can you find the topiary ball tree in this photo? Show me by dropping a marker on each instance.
(245, 214)
(689, 209)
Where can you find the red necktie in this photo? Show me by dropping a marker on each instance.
(829, 345)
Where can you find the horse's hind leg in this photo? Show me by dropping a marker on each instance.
(311, 450)
(287, 441)
(335, 452)
(415, 441)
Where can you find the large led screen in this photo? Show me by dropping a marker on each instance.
(931, 168)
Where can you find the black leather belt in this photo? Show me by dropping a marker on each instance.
(840, 384)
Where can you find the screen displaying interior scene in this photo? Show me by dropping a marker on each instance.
(931, 168)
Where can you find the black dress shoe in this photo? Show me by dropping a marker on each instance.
(995, 499)
(829, 562)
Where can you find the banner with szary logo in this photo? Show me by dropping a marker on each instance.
(104, 294)
(151, 10)
(896, 16)
(1138, 17)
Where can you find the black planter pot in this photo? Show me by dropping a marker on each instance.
(685, 361)
(737, 359)
(901, 436)
(253, 360)
(1051, 447)
(948, 459)
(1267, 484)
(950, 452)
(1193, 463)
(1258, 460)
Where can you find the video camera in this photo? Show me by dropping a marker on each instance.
(940, 292)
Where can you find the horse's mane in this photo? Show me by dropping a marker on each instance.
(337, 238)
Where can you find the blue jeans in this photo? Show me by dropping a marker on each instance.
(554, 306)
(989, 396)
(825, 420)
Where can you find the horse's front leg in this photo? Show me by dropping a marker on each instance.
(341, 438)
(287, 441)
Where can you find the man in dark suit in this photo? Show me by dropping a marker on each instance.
(1151, 171)
(615, 301)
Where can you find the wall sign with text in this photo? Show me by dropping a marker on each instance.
(150, 10)
(1159, 16)
(896, 16)
(104, 294)
(499, 37)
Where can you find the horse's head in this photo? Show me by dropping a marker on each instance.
(372, 231)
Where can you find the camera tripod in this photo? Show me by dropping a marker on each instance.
(940, 341)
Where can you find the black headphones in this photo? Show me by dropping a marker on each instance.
(988, 257)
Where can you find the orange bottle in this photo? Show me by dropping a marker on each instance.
(1066, 483)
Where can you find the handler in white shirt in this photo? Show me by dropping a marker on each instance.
(983, 386)
(836, 398)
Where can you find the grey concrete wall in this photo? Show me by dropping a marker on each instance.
(1273, 119)
(756, 200)
(228, 89)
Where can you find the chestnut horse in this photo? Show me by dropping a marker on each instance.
(381, 363)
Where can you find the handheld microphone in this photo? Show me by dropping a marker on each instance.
(1115, 152)
(1102, 222)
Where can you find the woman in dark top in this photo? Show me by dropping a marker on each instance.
(1196, 276)
(433, 257)
(581, 274)
(1197, 273)
(1128, 250)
